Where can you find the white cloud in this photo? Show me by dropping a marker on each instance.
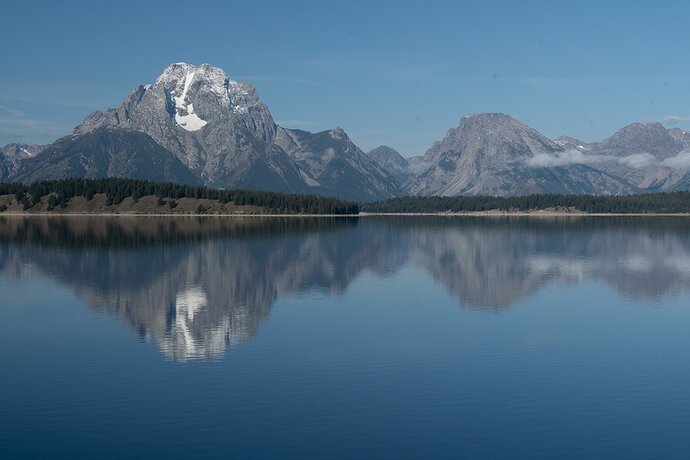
(575, 157)
(680, 161)
(569, 157)
(637, 160)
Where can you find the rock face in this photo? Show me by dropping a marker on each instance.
(225, 136)
(106, 152)
(494, 154)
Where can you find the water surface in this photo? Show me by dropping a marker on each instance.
(430, 337)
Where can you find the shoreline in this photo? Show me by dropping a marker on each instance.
(361, 214)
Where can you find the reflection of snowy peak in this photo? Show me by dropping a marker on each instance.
(204, 286)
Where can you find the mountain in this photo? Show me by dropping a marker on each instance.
(494, 154)
(645, 154)
(196, 125)
(650, 138)
(197, 118)
(392, 161)
(12, 155)
(638, 153)
(105, 152)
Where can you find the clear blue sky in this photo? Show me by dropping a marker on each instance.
(397, 73)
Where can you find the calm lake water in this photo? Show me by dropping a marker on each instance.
(345, 338)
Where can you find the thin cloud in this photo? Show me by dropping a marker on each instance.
(675, 120)
(53, 102)
(10, 112)
(296, 123)
(15, 125)
(299, 81)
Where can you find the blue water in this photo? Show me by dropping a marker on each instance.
(345, 338)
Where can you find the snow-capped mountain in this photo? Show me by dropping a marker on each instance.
(222, 132)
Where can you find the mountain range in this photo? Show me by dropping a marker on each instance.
(195, 125)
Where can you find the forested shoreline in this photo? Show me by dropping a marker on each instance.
(60, 192)
(661, 203)
(55, 195)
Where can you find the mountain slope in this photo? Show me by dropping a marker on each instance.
(105, 153)
(330, 161)
(494, 154)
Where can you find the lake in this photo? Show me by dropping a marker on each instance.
(370, 337)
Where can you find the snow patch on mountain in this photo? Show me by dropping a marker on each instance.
(185, 116)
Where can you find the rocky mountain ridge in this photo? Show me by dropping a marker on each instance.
(495, 154)
(196, 118)
(196, 125)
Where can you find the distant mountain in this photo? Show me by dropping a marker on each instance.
(494, 154)
(198, 119)
(392, 161)
(645, 154)
(12, 155)
(639, 152)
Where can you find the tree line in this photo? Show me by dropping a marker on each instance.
(117, 189)
(60, 191)
(665, 202)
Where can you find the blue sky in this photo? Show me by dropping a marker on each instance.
(397, 73)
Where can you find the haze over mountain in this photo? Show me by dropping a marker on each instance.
(195, 125)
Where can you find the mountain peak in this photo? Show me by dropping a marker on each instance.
(338, 134)
(492, 123)
(652, 138)
(479, 130)
(391, 161)
(487, 116)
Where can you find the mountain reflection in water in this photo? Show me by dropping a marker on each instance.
(199, 285)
